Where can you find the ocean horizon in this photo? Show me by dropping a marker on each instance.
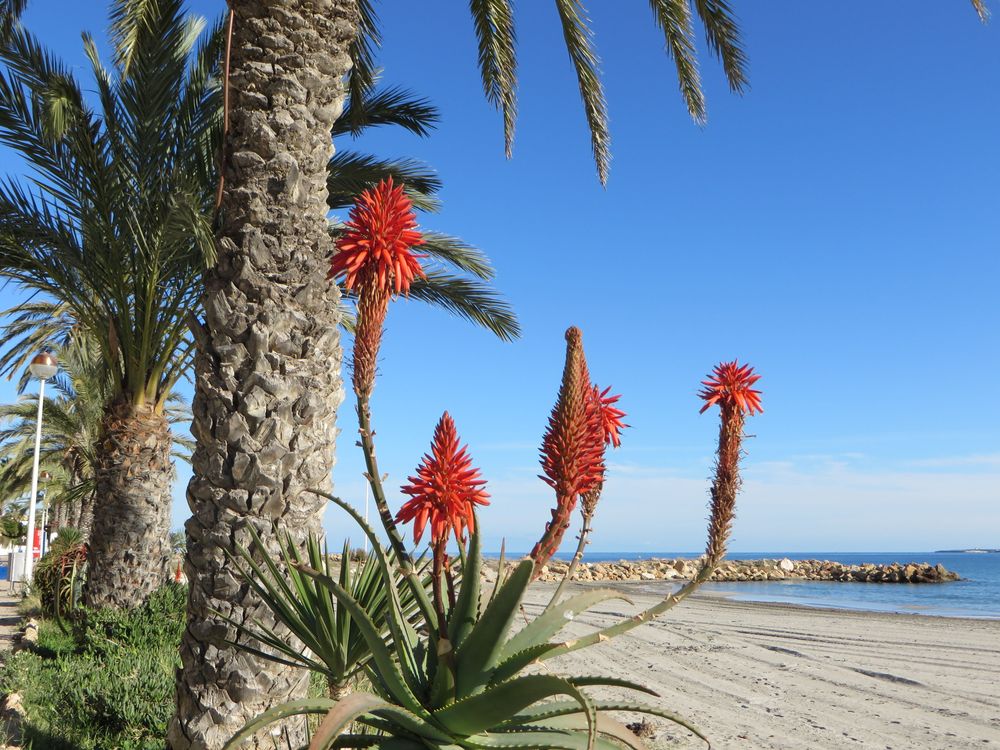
(977, 595)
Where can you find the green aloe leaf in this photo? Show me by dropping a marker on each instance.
(605, 726)
(479, 654)
(540, 714)
(602, 681)
(463, 616)
(284, 711)
(534, 738)
(485, 710)
(510, 666)
(555, 617)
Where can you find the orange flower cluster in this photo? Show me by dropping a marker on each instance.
(583, 423)
(729, 385)
(445, 491)
(373, 255)
(375, 248)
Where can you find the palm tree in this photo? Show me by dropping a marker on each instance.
(73, 417)
(118, 229)
(269, 358)
(116, 225)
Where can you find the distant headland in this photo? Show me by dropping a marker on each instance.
(971, 551)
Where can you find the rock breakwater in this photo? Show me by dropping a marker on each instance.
(658, 569)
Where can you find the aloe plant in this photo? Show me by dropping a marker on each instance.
(446, 665)
(472, 688)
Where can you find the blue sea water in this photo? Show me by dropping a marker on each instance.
(976, 595)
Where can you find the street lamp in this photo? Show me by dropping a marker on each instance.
(43, 367)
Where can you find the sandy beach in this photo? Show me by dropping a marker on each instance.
(773, 676)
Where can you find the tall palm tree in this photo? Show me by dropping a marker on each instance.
(269, 357)
(115, 224)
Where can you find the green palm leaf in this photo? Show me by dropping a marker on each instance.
(579, 43)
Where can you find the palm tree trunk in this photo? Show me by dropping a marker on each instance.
(84, 521)
(268, 366)
(129, 544)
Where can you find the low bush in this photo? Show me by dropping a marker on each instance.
(110, 687)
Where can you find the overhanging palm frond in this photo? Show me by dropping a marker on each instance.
(494, 24)
(458, 254)
(391, 106)
(723, 36)
(981, 10)
(579, 43)
(10, 12)
(361, 79)
(351, 173)
(674, 19)
(469, 299)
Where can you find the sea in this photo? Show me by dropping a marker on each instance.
(976, 595)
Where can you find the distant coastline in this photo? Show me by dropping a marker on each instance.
(970, 551)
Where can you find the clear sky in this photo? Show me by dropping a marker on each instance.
(837, 227)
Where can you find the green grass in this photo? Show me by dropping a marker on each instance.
(107, 685)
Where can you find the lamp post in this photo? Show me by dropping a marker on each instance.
(43, 367)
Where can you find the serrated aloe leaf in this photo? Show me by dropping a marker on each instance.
(605, 725)
(513, 664)
(555, 617)
(534, 738)
(540, 714)
(478, 656)
(501, 566)
(485, 710)
(463, 615)
(284, 711)
(340, 716)
(601, 681)
(387, 669)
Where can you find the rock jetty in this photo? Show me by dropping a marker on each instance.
(753, 570)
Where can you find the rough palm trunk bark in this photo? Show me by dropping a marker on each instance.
(129, 545)
(84, 521)
(268, 366)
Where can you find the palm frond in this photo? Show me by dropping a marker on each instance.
(723, 36)
(494, 24)
(981, 10)
(351, 173)
(674, 19)
(579, 43)
(10, 12)
(390, 106)
(361, 79)
(469, 299)
(457, 253)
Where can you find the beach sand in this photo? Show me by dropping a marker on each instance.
(755, 675)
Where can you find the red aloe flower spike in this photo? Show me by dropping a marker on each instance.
(572, 448)
(729, 387)
(374, 255)
(445, 490)
(375, 246)
(730, 384)
(611, 417)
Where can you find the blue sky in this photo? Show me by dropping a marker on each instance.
(837, 227)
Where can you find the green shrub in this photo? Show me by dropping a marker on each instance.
(109, 688)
